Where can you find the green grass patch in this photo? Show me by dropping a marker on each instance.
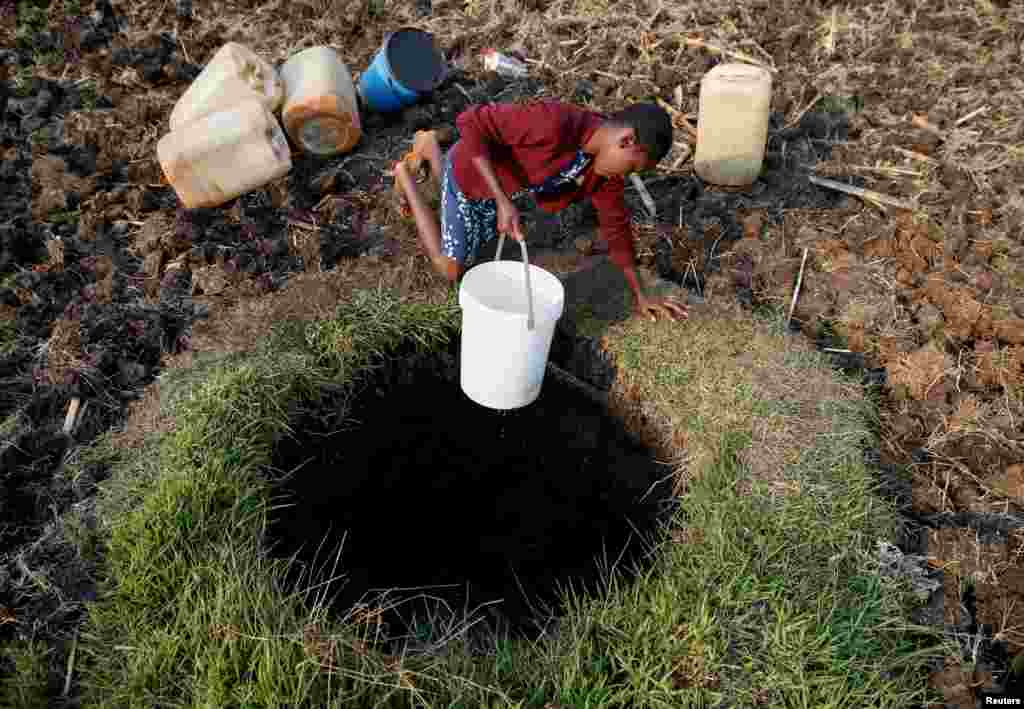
(31, 15)
(69, 216)
(21, 82)
(840, 104)
(89, 95)
(42, 136)
(9, 425)
(51, 57)
(73, 8)
(25, 675)
(765, 604)
(8, 337)
(758, 598)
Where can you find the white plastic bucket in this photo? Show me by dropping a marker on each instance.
(509, 313)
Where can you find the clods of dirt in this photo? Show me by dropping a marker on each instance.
(698, 223)
(424, 489)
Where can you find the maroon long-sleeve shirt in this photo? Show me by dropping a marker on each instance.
(526, 144)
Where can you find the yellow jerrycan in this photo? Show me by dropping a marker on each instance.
(732, 124)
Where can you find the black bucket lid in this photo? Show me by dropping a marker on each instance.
(415, 60)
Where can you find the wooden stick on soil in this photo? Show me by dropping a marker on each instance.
(861, 192)
(885, 170)
(79, 417)
(914, 155)
(695, 42)
(796, 288)
(972, 114)
(803, 111)
(678, 114)
(463, 92)
(72, 415)
(593, 393)
(71, 665)
(652, 210)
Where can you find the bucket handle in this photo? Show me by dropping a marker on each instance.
(526, 271)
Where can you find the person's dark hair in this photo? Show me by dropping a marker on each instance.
(652, 125)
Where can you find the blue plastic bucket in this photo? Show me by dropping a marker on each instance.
(407, 66)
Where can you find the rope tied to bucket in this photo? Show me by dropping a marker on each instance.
(526, 271)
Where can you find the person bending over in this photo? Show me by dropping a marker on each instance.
(560, 153)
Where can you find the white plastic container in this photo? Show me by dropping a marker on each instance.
(732, 124)
(234, 74)
(320, 111)
(508, 323)
(503, 64)
(224, 154)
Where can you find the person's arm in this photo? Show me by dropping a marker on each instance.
(483, 164)
(508, 215)
(616, 229)
(427, 228)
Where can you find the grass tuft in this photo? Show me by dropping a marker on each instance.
(25, 681)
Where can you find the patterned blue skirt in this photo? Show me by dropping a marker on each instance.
(467, 224)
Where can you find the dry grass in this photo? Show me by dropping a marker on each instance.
(247, 320)
(688, 384)
(920, 374)
(989, 567)
(312, 296)
(637, 47)
(63, 351)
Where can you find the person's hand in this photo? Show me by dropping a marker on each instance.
(653, 308)
(508, 219)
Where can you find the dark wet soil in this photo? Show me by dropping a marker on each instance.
(712, 216)
(425, 489)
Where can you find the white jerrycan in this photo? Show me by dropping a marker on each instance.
(234, 74)
(732, 124)
(224, 154)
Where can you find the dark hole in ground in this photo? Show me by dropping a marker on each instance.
(428, 489)
(582, 356)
